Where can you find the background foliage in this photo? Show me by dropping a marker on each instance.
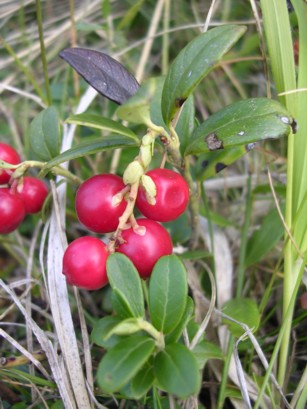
(241, 233)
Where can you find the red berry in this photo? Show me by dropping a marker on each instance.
(9, 155)
(172, 196)
(84, 263)
(33, 193)
(145, 250)
(12, 211)
(95, 205)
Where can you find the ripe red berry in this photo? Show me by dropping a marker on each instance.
(12, 211)
(171, 199)
(84, 263)
(95, 205)
(9, 155)
(33, 193)
(145, 250)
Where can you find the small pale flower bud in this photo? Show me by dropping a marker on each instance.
(145, 155)
(133, 173)
(150, 189)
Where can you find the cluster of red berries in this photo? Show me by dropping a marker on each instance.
(17, 197)
(100, 202)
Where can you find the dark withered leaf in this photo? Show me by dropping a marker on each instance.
(102, 72)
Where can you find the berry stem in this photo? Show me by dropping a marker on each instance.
(21, 168)
(125, 217)
(151, 330)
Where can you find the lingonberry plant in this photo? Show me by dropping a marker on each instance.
(100, 203)
(145, 244)
(33, 193)
(20, 195)
(151, 339)
(9, 155)
(12, 211)
(84, 263)
(169, 198)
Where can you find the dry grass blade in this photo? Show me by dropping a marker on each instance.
(26, 353)
(47, 347)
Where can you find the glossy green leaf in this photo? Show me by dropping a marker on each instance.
(205, 350)
(102, 328)
(137, 108)
(104, 124)
(45, 139)
(193, 63)
(244, 310)
(264, 239)
(211, 163)
(122, 362)
(91, 147)
(241, 123)
(177, 371)
(155, 106)
(127, 326)
(186, 122)
(142, 381)
(168, 290)
(125, 281)
(177, 332)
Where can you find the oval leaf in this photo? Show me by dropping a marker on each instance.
(142, 381)
(211, 163)
(177, 371)
(264, 239)
(168, 290)
(177, 332)
(102, 72)
(105, 124)
(205, 350)
(137, 108)
(241, 123)
(123, 362)
(125, 280)
(45, 137)
(91, 147)
(243, 310)
(102, 329)
(193, 63)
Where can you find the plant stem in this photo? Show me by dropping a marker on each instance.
(24, 69)
(194, 202)
(43, 50)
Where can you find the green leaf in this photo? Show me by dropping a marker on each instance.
(45, 139)
(105, 124)
(211, 163)
(243, 310)
(90, 147)
(129, 15)
(142, 381)
(127, 326)
(241, 123)
(177, 371)
(205, 350)
(178, 330)
(193, 63)
(186, 122)
(168, 290)
(102, 328)
(137, 108)
(126, 283)
(264, 239)
(123, 362)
